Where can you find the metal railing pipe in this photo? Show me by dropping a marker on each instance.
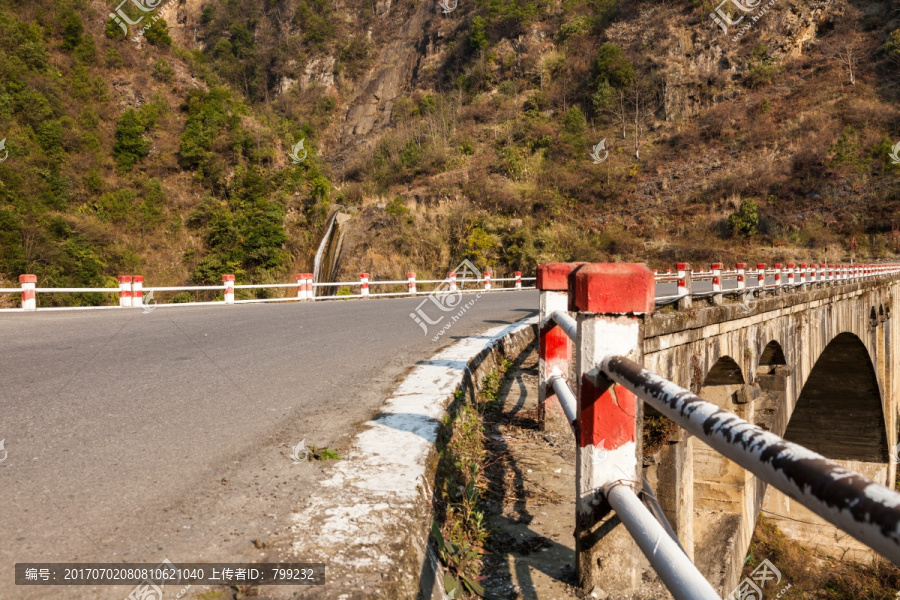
(566, 398)
(672, 565)
(866, 510)
(567, 323)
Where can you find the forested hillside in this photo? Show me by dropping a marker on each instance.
(448, 131)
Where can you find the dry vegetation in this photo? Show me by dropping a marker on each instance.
(170, 159)
(813, 577)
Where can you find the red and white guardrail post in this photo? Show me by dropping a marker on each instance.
(411, 280)
(228, 281)
(452, 277)
(125, 290)
(28, 283)
(554, 346)
(137, 291)
(761, 276)
(684, 285)
(364, 285)
(487, 280)
(611, 301)
(741, 269)
(518, 275)
(716, 282)
(301, 286)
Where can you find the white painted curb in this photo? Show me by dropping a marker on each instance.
(384, 485)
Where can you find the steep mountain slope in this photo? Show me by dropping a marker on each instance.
(447, 131)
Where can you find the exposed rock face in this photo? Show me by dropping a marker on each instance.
(184, 23)
(319, 70)
(394, 70)
(701, 64)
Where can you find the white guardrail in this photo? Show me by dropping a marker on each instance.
(131, 291)
(779, 276)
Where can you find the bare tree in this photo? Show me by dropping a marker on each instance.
(620, 112)
(848, 49)
(644, 101)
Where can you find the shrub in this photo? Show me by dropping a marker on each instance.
(762, 67)
(746, 220)
(158, 33)
(397, 207)
(845, 151)
(163, 71)
(577, 26)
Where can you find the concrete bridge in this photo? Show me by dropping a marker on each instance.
(813, 363)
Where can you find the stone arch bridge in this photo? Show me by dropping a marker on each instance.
(815, 364)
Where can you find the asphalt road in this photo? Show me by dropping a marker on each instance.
(138, 436)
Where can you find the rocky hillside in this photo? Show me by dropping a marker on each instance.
(446, 130)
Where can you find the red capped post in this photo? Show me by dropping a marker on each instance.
(684, 285)
(364, 284)
(611, 301)
(554, 346)
(228, 282)
(137, 290)
(125, 290)
(29, 299)
(717, 282)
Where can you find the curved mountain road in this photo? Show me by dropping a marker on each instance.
(134, 437)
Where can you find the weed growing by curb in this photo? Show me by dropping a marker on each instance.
(460, 486)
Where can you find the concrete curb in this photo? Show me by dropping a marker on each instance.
(370, 522)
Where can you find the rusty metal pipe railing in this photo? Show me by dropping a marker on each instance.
(866, 510)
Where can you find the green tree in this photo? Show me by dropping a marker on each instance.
(478, 38)
(130, 145)
(613, 66)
